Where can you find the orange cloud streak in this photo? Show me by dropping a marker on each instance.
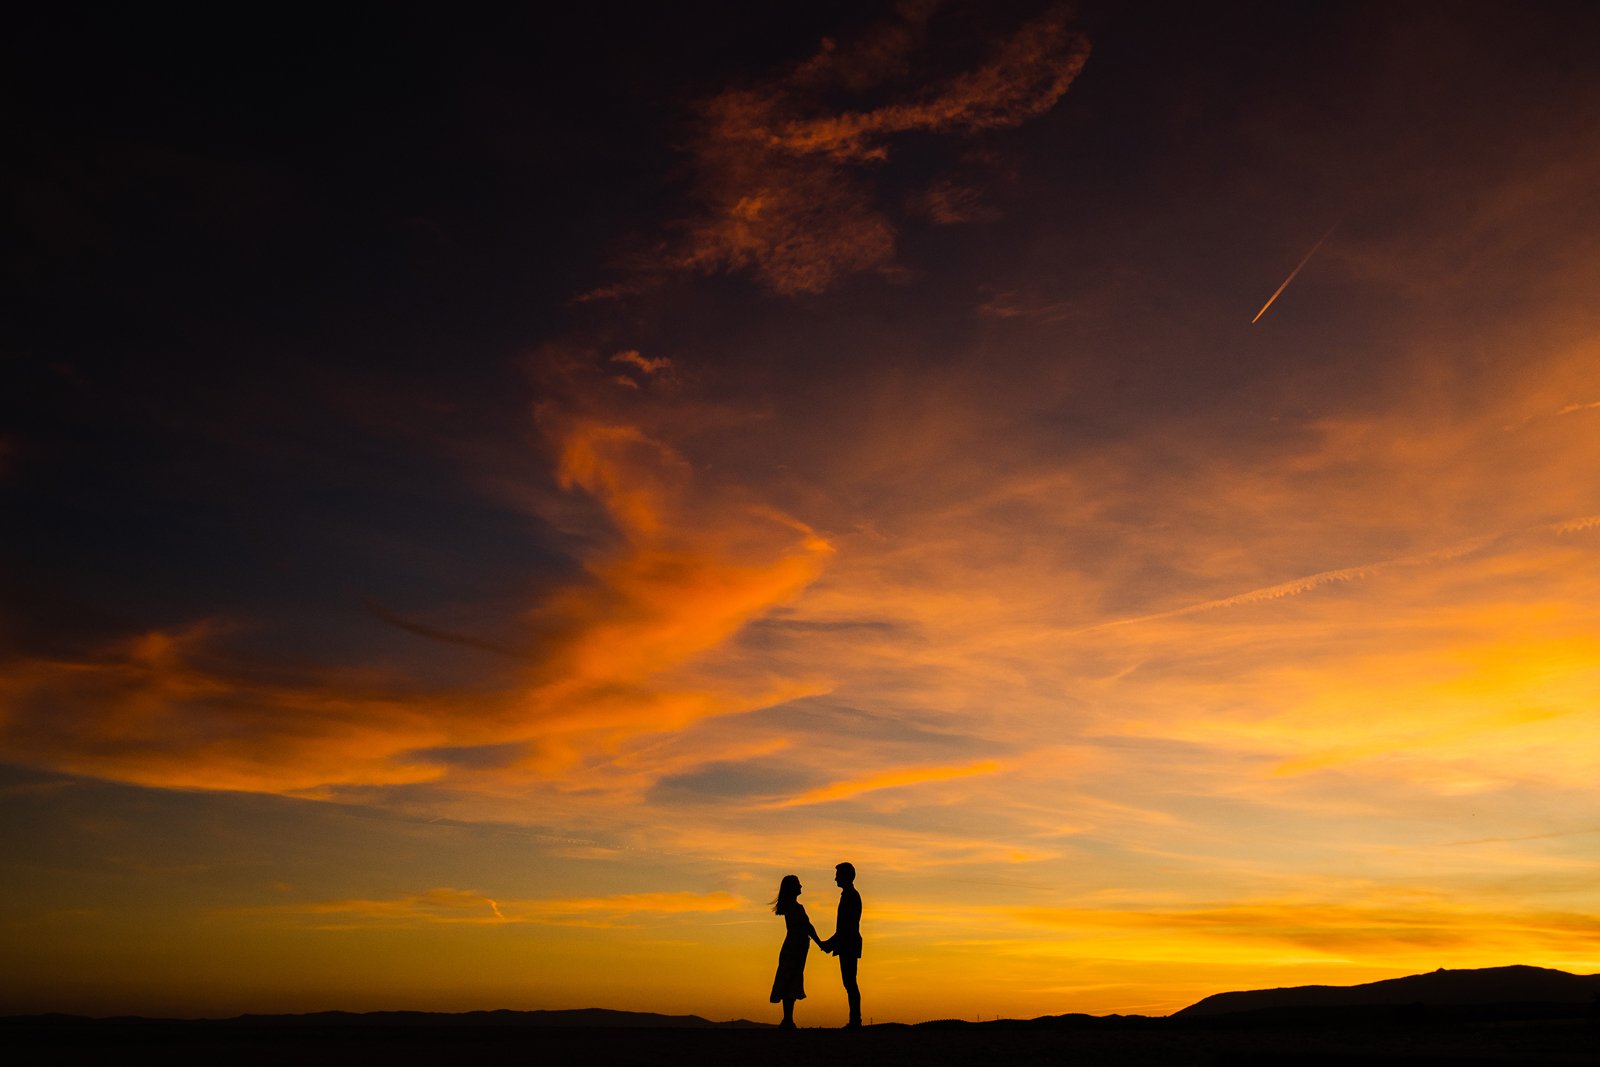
(687, 571)
(894, 779)
(777, 196)
(163, 710)
(683, 570)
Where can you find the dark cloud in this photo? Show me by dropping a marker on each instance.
(754, 780)
(473, 757)
(433, 633)
(949, 203)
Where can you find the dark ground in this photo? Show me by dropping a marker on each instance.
(1427, 1039)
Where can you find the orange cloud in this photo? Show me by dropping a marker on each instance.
(674, 570)
(893, 779)
(772, 175)
(1395, 927)
(685, 572)
(1023, 78)
(163, 709)
(1587, 522)
(643, 363)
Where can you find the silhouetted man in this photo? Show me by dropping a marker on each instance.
(846, 940)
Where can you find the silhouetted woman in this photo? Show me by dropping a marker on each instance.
(789, 984)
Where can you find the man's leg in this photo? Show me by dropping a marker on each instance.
(847, 971)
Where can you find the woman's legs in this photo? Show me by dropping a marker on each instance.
(788, 1013)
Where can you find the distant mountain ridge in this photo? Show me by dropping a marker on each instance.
(1487, 985)
(590, 1017)
(606, 1017)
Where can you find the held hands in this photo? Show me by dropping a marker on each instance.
(827, 946)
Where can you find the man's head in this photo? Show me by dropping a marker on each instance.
(844, 874)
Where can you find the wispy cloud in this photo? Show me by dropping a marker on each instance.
(891, 779)
(1578, 525)
(683, 573)
(671, 570)
(1306, 584)
(1394, 927)
(782, 177)
(165, 709)
(948, 203)
(644, 363)
(459, 906)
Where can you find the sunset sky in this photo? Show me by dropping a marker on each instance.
(485, 495)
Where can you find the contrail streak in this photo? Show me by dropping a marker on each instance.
(1292, 273)
(1309, 582)
(1297, 586)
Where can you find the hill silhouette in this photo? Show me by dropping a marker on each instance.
(604, 1018)
(1500, 1015)
(1487, 985)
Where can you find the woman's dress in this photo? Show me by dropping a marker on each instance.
(789, 982)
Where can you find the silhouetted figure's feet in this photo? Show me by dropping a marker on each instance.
(853, 1024)
(787, 1024)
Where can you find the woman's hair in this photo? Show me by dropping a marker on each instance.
(788, 890)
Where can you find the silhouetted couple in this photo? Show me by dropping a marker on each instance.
(789, 985)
